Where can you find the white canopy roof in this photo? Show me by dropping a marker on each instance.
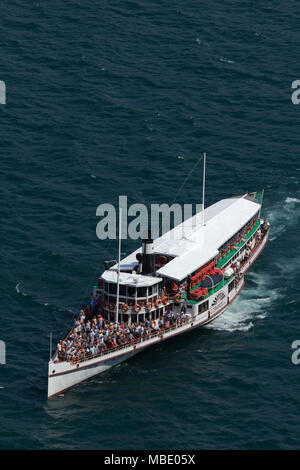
(130, 279)
(193, 244)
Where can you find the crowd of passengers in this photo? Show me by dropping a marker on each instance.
(92, 334)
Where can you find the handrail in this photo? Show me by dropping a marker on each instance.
(128, 344)
(109, 350)
(132, 344)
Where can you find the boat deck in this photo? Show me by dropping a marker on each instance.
(238, 246)
(223, 261)
(211, 291)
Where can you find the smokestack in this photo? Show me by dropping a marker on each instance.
(147, 256)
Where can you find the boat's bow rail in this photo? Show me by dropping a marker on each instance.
(180, 320)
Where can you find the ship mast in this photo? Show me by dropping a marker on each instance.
(203, 187)
(119, 261)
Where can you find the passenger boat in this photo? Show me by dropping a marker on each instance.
(191, 274)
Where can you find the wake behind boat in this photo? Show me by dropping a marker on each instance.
(169, 286)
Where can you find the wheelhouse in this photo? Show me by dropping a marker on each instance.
(139, 296)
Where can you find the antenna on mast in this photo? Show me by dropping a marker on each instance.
(203, 187)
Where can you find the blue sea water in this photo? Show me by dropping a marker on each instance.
(109, 98)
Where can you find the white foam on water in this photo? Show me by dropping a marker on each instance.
(222, 59)
(291, 199)
(202, 42)
(283, 216)
(238, 317)
(252, 304)
(262, 316)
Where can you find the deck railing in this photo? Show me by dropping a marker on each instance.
(161, 332)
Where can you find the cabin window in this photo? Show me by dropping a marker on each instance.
(131, 291)
(142, 291)
(149, 291)
(112, 288)
(125, 317)
(202, 307)
(122, 290)
(230, 286)
(134, 318)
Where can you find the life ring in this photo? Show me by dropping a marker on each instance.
(149, 306)
(158, 302)
(162, 260)
(111, 307)
(177, 298)
(137, 308)
(165, 299)
(124, 307)
(174, 287)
